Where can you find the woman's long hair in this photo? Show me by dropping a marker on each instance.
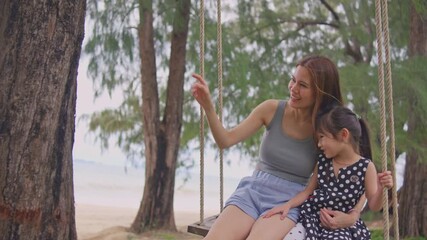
(325, 77)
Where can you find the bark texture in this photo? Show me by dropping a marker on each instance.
(413, 198)
(40, 44)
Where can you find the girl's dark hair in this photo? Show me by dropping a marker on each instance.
(340, 117)
(326, 80)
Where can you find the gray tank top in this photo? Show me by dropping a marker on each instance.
(283, 156)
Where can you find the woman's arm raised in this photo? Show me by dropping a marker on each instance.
(260, 116)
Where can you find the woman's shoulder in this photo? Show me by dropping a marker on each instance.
(272, 104)
(268, 108)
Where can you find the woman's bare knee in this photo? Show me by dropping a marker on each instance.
(231, 224)
(270, 228)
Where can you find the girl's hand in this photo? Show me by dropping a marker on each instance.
(385, 179)
(282, 210)
(200, 92)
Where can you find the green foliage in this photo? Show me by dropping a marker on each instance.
(420, 6)
(262, 40)
(370, 216)
(377, 234)
(112, 47)
(409, 79)
(123, 123)
(399, 28)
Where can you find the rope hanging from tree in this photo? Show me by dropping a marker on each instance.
(219, 59)
(202, 113)
(383, 43)
(220, 105)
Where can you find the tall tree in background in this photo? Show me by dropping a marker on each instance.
(413, 198)
(161, 37)
(40, 46)
(161, 135)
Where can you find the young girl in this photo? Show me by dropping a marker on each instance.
(341, 177)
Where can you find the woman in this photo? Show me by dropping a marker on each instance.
(287, 152)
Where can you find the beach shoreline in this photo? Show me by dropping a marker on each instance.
(97, 222)
(107, 199)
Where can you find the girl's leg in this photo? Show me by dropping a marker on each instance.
(231, 224)
(271, 228)
(296, 233)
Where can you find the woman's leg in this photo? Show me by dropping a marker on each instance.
(232, 224)
(271, 228)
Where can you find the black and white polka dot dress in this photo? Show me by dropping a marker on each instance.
(337, 193)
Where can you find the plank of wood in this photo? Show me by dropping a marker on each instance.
(202, 228)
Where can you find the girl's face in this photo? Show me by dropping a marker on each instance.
(330, 146)
(301, 88)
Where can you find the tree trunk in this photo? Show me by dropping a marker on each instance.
(161, 138)
(40, 44)
(418, 29)
(413, 199)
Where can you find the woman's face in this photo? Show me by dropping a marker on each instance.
(301, 89)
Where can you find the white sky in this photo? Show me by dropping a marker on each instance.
(86, 148)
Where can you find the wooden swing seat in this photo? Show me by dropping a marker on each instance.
(202, 228)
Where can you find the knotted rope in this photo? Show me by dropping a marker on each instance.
(383, 42)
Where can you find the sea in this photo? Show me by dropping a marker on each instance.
(97, 183)
(107, 185)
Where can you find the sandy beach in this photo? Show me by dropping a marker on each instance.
(111, 223)
(107, 199)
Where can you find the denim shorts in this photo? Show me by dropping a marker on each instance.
(257, 194)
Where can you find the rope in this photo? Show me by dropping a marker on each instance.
(381, 90)
(383, 41)
(219, 59)
(390, 116)
(202, 124)
(202, 113)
